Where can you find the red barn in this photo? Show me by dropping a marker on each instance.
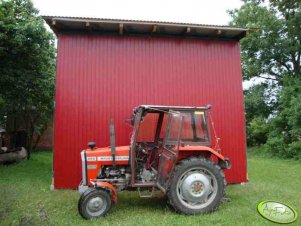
(107, 67)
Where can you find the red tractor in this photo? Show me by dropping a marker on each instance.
(170, 150)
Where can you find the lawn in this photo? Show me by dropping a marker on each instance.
(25, 198)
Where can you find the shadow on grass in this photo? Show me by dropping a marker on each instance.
(131, 199)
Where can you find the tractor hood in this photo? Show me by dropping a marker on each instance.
(104, 155)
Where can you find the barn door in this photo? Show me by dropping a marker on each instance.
(170, 149)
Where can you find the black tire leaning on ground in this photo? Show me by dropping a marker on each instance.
(194, 173)
(85, 204)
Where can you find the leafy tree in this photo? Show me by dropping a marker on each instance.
(272, 50)
(284, 138)
(258, 106)
(27, 67)
(258, 101)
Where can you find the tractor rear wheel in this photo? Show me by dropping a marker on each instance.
(94, 203)
(197, 186)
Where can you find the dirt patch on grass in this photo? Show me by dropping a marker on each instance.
(43, 214)
(7, 201)
(4, 212)
(27, 220)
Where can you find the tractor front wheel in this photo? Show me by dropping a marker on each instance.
(197, 186)
(94, 203)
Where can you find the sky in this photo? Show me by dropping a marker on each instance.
(187, 11)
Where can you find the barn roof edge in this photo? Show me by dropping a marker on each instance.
(61, 24)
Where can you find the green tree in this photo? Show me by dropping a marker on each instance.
(27, 67)
(284, 138)
(272, 51)
(258, 106)
(258, 101)
(272, 48)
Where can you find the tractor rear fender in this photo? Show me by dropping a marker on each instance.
(223, 162)
(108, 187)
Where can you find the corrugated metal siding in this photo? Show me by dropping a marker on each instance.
(103, 76)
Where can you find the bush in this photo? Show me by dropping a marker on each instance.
(284, 139)
(258, 106)
(294, 149)
(276, 146)
(257, 131)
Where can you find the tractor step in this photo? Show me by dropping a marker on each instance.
(144, 194)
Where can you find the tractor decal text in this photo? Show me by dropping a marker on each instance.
(91, 166)
(109, 158)
(91, 159)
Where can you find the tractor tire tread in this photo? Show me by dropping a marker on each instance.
(180, 168)
(86, 195)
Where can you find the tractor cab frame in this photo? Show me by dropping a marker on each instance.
(161, 127)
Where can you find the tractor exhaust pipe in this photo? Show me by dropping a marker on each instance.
(112, 141)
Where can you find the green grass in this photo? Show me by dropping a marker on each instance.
(25, 198)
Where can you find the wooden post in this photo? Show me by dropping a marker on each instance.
(154, 30)
(121, 29)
